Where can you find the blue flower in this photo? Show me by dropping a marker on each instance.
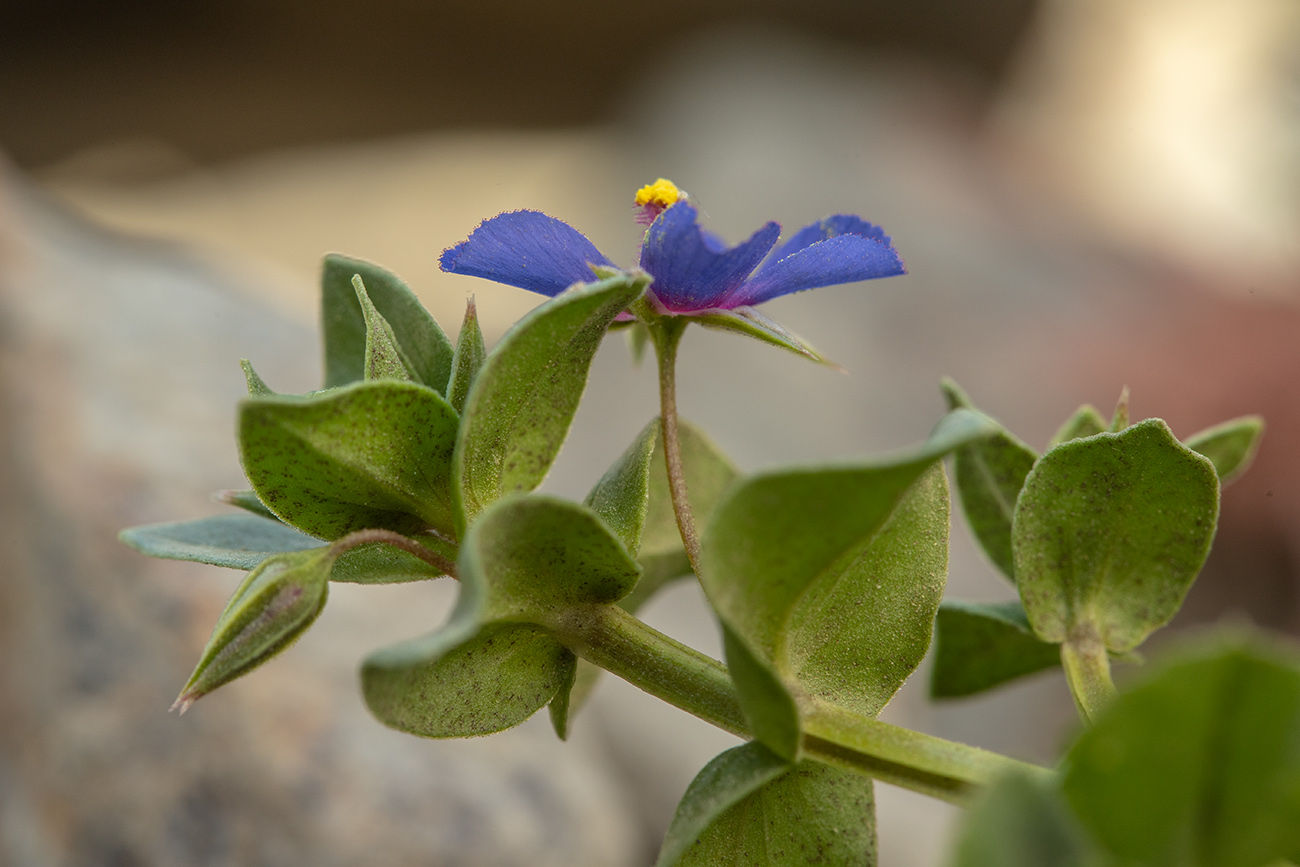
(693, 270)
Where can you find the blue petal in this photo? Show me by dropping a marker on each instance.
(839, 224)
(527, 249)
(691, 272)
(841, 259)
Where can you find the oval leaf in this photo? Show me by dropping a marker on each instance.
(374, 454)
(522, 403)
(1110, 531)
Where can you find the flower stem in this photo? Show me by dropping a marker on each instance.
(666, 331)
(609, 637)
(404, 543)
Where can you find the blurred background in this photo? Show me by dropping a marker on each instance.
(1088, 195)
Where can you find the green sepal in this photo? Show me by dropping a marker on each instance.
(989, 475)
(468, 358)
(1022, 821)
(256, 386)
(810, 814)
(751, 323)
(343, 324)
(367, 455)
(273, 606)
(638, 338)
(384, 357)
(518, 413)
(1198, 764)
(1085, 422)
(1230, 446)
(832, 576)
(1110, 532)
(724, 782)
(978, 646)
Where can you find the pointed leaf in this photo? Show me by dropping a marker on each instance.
(256, 387)
(374, 454)
(1198, 765)
(833, 576)
(620, 495)
(980, 646)
(1110, 532)
(1085, 422)
(384, 356)
(770, 709)
(751, 323)
(519, 411)
(812, 814)
(344, 328)
(246, 500)
(1021, 821)
(560, 707)
(1230, 446)
(235, 541)
(468, 360)
(990, 473)
(724, 782)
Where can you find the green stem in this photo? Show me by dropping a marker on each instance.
(397, 540)
(666, 331)
(614, 640)
(1087, 671)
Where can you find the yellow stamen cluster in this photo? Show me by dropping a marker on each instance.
(662, 193)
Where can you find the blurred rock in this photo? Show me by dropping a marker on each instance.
(118, 377)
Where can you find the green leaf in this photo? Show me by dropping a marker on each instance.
(561, 703)
(246, 500)
(620, 495)
(465, 681)
(235, 541)
(751, 323)
(990, 473)
(1200, 765)
(708, 473)
(1230, 446)
(274, 605)
(811, 814)
(256, 387)
(724, 782)
(520, 408)
(344, 326)
(384, 357)
(468, 360)
(384, 564)
(1085, 422)
(980, 646)
(770, 709)
(1110, 531)
(1021, 821)
(832, 576)
(375, 454)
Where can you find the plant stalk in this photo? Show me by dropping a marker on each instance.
(1087, 671)
(666, 331)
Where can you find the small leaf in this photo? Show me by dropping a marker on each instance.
(384, 564)
(256, 387)
(1198, 765)
(1110, 532)
(344, 327)
(274, 605)
(990, 473)
(832, 576)
(1085, 422)
(374, 454)
(1119, 419)
(980, 646)
(235, 541)
(620, 495)
(468, 360)
(246, 500)
(560, 704)
(638, 338)
(384, 356)
(519, 411)
(812, 814)
(751, 323)
(1021, 821)
(724, 782)
(1230, 446)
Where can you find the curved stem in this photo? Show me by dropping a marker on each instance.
(667, 332)
(397, 540)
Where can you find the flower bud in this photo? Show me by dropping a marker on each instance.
(277, 602)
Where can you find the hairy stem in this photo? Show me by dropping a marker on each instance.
(667, 334)
(397, 540)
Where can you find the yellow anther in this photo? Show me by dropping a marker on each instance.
(662, 193)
